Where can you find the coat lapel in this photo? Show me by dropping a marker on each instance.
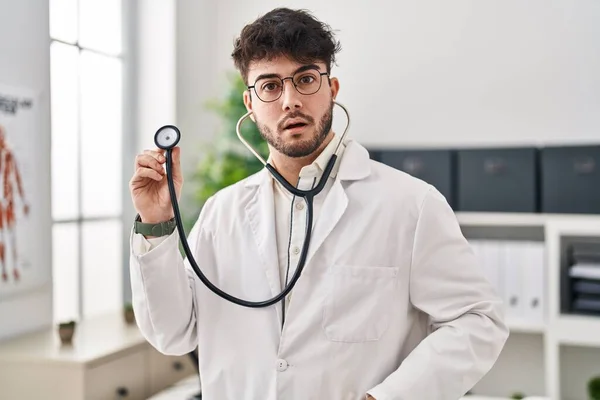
(354, 165)
(333, 208)
(260, 212)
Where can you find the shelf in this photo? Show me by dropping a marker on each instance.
(577, 330)
(524, 326)
(521, 219)
(500, 219)
(96, 340)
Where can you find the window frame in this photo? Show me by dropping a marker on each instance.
(126, 57)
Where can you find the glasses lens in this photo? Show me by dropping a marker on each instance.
(268, 89)
(307, 82)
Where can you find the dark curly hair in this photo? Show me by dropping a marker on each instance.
(285, 32)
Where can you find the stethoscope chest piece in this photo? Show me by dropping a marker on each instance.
(167, 137)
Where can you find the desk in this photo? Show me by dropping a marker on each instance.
(184, 390)
(109, 359)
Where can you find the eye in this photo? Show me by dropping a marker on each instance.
(270, 86)
(306, 79)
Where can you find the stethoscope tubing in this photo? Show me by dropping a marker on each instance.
(308, 195)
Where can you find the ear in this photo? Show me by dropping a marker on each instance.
(248, 103)
(334, 86)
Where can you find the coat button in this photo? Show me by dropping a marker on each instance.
(300, 205)
(281, 365)
(296, 250)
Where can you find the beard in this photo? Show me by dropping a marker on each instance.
(299, 148)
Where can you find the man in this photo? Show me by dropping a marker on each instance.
(391, 303)
(10, 177)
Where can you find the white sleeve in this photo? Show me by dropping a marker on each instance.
(142, 245)
(465, 313)
(163, 287)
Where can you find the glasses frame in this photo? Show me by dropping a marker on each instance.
(291, 78)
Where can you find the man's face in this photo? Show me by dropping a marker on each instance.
(295, 124)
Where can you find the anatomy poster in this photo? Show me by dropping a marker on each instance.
(19, 220)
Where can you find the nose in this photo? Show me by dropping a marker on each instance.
(290, 96)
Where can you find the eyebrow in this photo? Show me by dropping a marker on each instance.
(301, 69)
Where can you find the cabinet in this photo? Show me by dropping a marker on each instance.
(108, 359)
(551, 351)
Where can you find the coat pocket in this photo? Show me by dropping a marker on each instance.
(359, 302)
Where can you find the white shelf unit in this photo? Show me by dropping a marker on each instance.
(553, 358)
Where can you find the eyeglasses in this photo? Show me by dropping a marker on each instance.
(270, 89)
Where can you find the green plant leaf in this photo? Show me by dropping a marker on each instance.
(594, 388)
(226, 160)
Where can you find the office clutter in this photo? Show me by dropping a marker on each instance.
(533, 180)
(517, 271)
(580, 276)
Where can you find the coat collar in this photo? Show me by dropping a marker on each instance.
(353, 165)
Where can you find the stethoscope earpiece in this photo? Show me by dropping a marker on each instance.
(167, 137)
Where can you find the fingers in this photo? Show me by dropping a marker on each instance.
(176, 153)
(143, 173)
(150, 159)
(157, 153)
(154, 160)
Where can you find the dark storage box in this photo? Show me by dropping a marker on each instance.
(374, 154)
(435, 167)
(498, 180)
(570, 179)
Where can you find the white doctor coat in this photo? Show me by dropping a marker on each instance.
(391, 301)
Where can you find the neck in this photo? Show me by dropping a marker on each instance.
(290, 167)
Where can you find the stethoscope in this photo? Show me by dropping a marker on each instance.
(167, 138)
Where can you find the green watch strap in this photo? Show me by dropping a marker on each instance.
(161, 229)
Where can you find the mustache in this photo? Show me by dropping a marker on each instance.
(292, 115)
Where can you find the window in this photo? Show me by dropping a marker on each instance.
(86, 107)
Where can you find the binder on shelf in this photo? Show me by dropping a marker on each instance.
(512, 263)
(517, 271)
(534, 277)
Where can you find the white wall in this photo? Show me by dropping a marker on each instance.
(436, 73)
(198, 81)
(155, 70)
(25, 61)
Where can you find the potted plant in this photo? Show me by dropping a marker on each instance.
(594, 388)
(128, 313)
(225, 159)
(66, 331)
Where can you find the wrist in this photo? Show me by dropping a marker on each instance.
(153, 230)
(155, 219)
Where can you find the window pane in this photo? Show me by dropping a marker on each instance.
(100, 25)
(65, 110)
(101, 134)
(65, 271)
(102, 267)
(63, 20)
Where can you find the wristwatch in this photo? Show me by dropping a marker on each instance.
(161, 229)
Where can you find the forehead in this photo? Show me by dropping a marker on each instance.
(281, 66)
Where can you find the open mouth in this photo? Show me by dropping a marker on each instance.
(296, 125)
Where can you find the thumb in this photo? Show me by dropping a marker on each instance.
(176, 156)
